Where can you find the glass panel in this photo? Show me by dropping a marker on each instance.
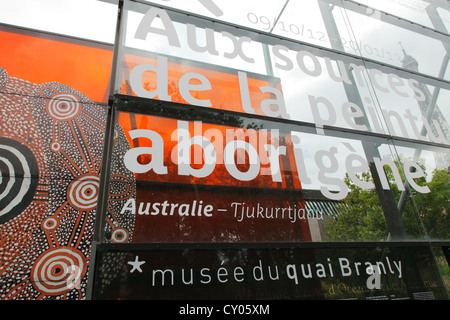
(87, 19)
(41, 58)
(431, 201)
(442, 256)
(180, 80)
(344, 110)
(183, 272)
(415, 10)
(411, 107)
(207, 182)
(188, 37)
(302, 21)
(258, 122)
(329, 184)
(376, 30)
(308, 84)
(257, 14)
(357, 30)
(305, 83)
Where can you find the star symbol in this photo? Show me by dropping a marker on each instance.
(136, 264)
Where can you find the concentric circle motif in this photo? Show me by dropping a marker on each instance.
(82, 193)
(55, 146)
(49, 224)
(63, 106)
(57, 270)
(19, 178)
(119, 235)
(121, 187)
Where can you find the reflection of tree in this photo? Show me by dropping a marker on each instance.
(435, 206)
(362, 218)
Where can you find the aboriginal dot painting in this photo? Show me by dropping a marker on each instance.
(51, 145)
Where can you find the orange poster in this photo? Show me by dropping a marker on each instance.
(39, 58)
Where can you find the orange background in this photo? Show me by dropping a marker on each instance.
(165, 127)
(224, 94)
(41, 58)
(86, 66)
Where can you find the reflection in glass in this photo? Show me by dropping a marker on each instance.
(385, 32)
(415, 11)
(283, 272)
(432, 204)
(349, 115)
(63, 17)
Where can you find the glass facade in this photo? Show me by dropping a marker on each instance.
(211, 148)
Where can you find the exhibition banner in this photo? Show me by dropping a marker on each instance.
(178, 151)
(202, 182)
(195, 213)
(198, 159)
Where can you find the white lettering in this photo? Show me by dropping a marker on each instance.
(169, 29)
(156, 151)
